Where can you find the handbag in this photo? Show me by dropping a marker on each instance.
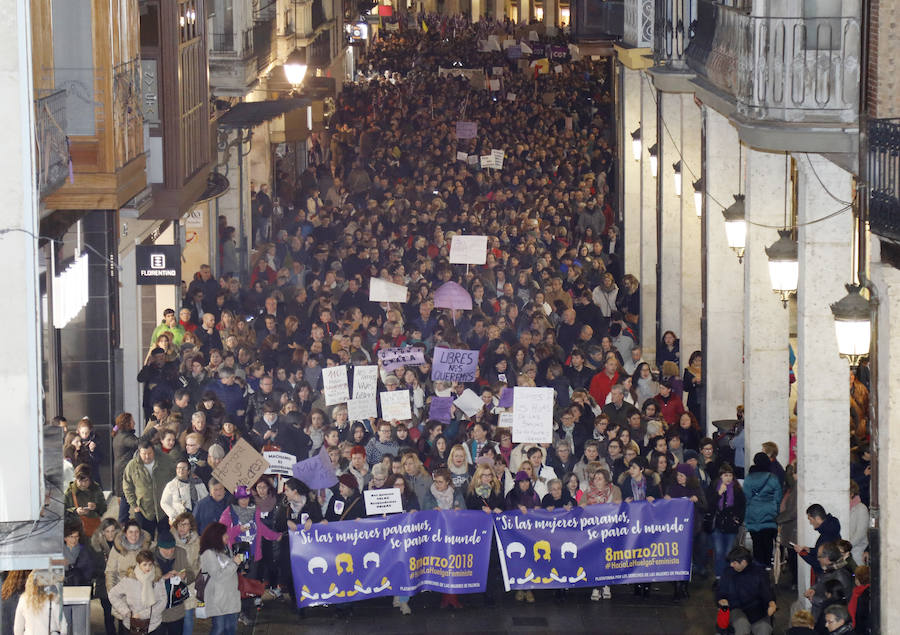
(249, 587)
(200, 585)
(88, 523)
(176, 593)
(139, 626)
(723, 620)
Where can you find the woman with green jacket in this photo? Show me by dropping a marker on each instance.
(763, 492)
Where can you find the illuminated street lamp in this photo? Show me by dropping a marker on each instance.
(736, 226)
(295, 68)
(784, 265)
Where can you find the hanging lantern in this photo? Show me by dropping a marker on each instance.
(784, 265)
(853, 324)
(654, 160)
(295, 67)
(636, 144)
(676, 174)
(736, 226)
(698, 196)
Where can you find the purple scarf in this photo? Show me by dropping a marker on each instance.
(728, 499)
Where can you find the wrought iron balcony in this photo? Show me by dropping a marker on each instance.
(779, 68)
(51, 142)
(673, 28)
(884, 178)
(638, 23)
(223, 42)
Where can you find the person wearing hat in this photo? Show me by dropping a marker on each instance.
(176, 570)
(763, 494)
(347, 504)
(244, 525)
(522, 496)
(727, 507)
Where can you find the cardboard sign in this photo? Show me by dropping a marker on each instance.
(336, 387)
(495, 84)
(466, 129)
(383, 501)
(497, 70)
(497, 157)
(280, 463)
(392, 358)
(395, 405)
(439, 410)
(532, 415)
(454, 364)
(468, 250)
(469, 402)
(243, 465)
(384, 291)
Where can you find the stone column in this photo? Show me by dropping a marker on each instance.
(765, 320)
(551, 16)
(499, 9)
(648, 273)
(691, 252)
(631, 197)
(20, 371)
(476, 10)
(724, 345)
(887, 282)
(670, 280)
(524, 11)
(822, 376)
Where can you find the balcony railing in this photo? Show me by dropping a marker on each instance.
(884, 178)
(128, 118)
(51, 142)
(789, 69)
(673, 28)
(263, 36)
(223, 42)
(264, 10)
(638, 23)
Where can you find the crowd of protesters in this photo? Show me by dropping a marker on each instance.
(382, 197)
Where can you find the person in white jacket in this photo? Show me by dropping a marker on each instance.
(38, 612)
(177, 496)
(859, 524)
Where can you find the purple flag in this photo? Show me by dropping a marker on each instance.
(440, 409)
(451, 364)
(316, 471)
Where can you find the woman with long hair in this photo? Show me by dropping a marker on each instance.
(101, 544)
(38, 611)
(184, 529)
(221, 595)
(13, 587)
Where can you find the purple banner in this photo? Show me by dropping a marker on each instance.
(596, 545)
(559, 53)
(392, 358)
(453, 364)
(538, 50)
(439, 410)
(392, 555)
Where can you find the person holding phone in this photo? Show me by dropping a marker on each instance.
(177, 573)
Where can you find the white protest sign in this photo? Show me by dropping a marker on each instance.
(557, 68)
(505, 420)
(526, 50)
(468, 250)
(495, 84)
(469, 402)
(280, 463)
(510, 96)
(486, 162)
(532, 415)
(462, 156)
(365, 388)
(395, 405)
(360, 409)
(497, 70)
(383, 501)
(384, 291)
(466, 129)
(497, 158)
(533, 36)
(473, 159)
(337, 389)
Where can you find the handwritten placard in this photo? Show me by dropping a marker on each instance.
(383, 501)
(392, 358)
(384, 291)
(395, 405)
(510, 96)
(473, 159)
(462, 156)
(497, 70)
(454, 364)
(365, 389)
(469, 402)
(466, 129)
(495, 84)
(243, 465)
(532, 415)
(336, 387)
(468, 250)
(486, 162)
(497, 157)
(280, 463)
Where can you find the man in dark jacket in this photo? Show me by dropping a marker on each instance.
(745, 590)
(272, 430)
(209, 509)
(829, 529)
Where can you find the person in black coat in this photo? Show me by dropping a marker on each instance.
(347, 504)
(829, 529)
(79, 560)
(745, 589)
(297, 510)
(272, 430)
(124, 446)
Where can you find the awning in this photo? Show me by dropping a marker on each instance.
(253, 113)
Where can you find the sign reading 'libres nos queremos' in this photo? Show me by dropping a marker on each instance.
(157, 264)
